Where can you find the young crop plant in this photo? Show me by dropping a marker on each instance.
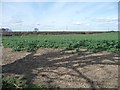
(105, 42)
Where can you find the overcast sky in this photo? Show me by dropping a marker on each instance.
(79, 16)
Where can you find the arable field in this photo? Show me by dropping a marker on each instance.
(94, 42)
(64, 61)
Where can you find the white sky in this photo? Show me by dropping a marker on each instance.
(80, 16)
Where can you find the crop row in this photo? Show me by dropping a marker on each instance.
(92, 45)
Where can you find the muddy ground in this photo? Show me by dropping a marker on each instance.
(63, 68)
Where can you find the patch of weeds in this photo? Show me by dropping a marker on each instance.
(12, 82)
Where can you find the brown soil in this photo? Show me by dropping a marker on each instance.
(63, 68)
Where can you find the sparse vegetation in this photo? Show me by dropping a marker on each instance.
(14, 83)
(10, 82)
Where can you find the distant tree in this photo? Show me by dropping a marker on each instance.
(36, 29)
(5, 30)
(112, 31)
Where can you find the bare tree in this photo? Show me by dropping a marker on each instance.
(36, 29)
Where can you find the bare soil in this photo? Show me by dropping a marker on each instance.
(63, 68)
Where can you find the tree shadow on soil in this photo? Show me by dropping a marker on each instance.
(53, 60)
